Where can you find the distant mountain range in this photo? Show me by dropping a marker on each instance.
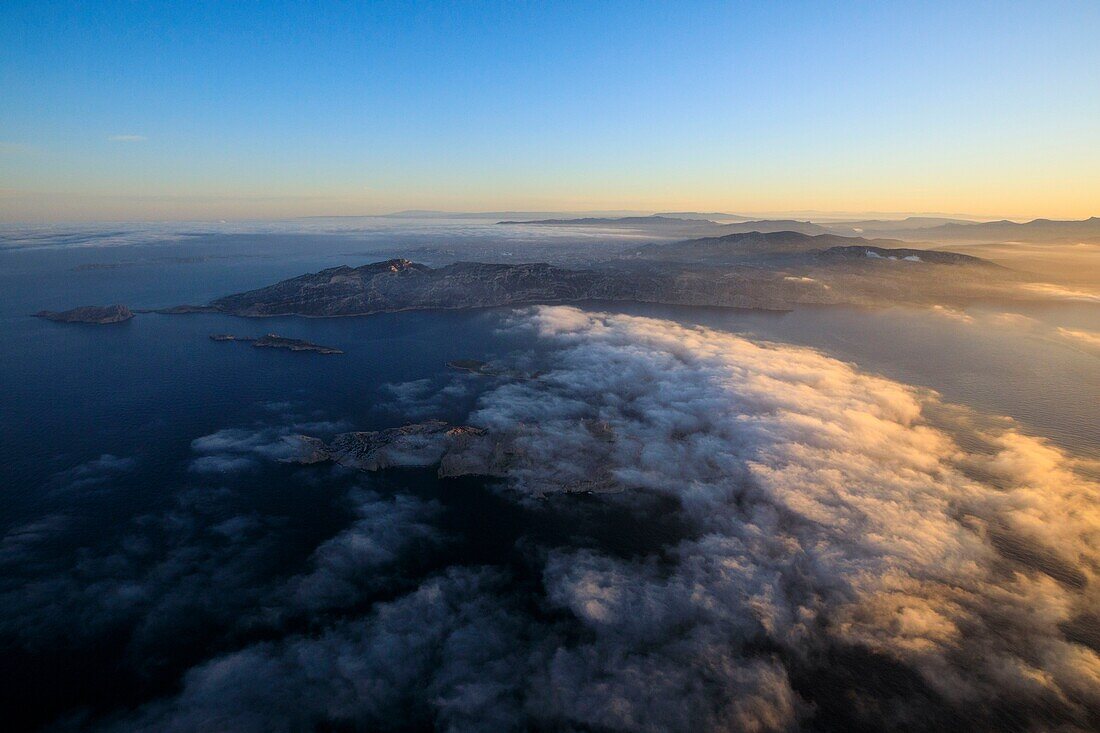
(696, 225)
(656, 220)
(741, 245)
(904, 254)
(716, 216)
(869, 226)
(1039, 230)
(766, 226)
(914, 228)
(786, 249)
(433, 214)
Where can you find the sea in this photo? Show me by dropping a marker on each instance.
(98, 423)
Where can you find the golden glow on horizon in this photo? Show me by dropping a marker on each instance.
(1054, 199)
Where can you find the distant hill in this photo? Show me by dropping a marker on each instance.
(871, 226)
(513, 215)
(913, 228)
(621, 221)
(773, 248)
(903, 254)
(712, 216)
(742, 245)
(1037, 231)
(765, 226)
(685, 226)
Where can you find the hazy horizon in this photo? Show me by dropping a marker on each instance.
(412, 212)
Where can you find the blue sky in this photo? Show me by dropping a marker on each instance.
(163, 110)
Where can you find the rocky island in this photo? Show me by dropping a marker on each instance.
(95, 314)
(770, 271)
(418, 444)
(484, 369)
(461, 450)
(468, 365)
(275, 341)
(399, 284)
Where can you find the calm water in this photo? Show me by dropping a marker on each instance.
(141, 392)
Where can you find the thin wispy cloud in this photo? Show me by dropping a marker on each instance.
(1081, 337)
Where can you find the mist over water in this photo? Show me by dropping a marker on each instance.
(164, 569)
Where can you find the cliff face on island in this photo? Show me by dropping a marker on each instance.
(96, 314)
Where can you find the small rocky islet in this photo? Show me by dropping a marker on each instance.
(275, 341)
(455, 451)
(92, 314)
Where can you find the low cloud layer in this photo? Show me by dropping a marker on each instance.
(1059, 292)
(1086, 339)
(447, 653)
(1078, 338)
(231, 450)
(830, 512)
(856, 554)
